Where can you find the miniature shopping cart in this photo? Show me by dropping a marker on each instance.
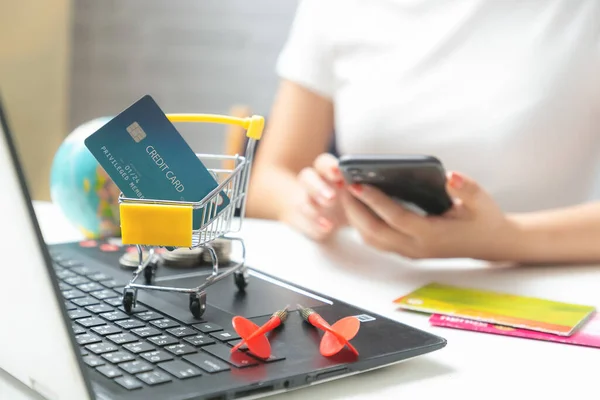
(153, 223)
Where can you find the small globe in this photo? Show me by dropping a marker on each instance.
(81, 188)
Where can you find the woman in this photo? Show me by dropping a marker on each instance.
(505, 93)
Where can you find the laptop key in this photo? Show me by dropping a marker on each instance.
(129, 382)
(105, 294)
(82, 270)
(180, 369)
(225, 336)
(87, 338)
(65, 273)
(164, 323)
(99, 276)
(207, 327)
(180, 349)
(76, 314)
(86, 301)
(90, 287)
(117, 357)
(76, 280)
(100, 308)
(90, 322)
(149, 316)
(72, 294)
(272, 357)
(115, 302)
(130, 323)
(237, 358)
(137, 309)
(122, 338)
(63, 286)
(181, 331)
(146, 331)
(77, 329)
(157, 356)
(154, 377)
(114, 316)
(70, 306)
(93, 361)
(111, 283)
(101, 348)
(106, 330)
(207, 362)
(163, 340)
(68, 263)
(135, 367)
(139, 347)
(199, 340)
(109, 371)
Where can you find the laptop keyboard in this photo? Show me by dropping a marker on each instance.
(145, 348)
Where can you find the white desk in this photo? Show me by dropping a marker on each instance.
(473, 365)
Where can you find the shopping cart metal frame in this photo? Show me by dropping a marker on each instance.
(156, 223)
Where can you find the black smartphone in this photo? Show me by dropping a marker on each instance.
(413, 180)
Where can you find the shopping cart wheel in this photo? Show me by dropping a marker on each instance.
(241, 279)
(128, 301)
(198, 304)
(149, 273)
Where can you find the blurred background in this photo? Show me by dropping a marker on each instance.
(65, 62)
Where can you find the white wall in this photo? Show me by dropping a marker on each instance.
(191, 56)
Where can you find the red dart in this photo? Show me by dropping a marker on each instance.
(336, 336)
(254, 336)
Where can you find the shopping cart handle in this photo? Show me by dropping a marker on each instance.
(254, 125)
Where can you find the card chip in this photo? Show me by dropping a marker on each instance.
(136, 132)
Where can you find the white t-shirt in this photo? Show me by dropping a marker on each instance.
(505, 91)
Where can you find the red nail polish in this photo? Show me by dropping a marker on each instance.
(456, 181)
(356, 188)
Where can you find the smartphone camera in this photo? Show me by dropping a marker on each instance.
(356, 174)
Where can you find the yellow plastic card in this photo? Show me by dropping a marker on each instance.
(156, 225)
(523, 312)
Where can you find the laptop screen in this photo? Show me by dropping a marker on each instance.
(36, 347)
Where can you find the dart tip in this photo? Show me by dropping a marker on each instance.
(305, 312)
(281, 314)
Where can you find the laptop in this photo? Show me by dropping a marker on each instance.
(66, 335)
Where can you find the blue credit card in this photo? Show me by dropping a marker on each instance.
(147, 158)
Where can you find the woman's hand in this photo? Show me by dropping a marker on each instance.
(474, 228)
(317, 212)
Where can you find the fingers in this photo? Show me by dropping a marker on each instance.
(323, 179)
(317, 188)
(319, 213)
(388, 210)
(307, 218)
(317, 221)
(326, 166)
(464, 188)
(374, 231)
